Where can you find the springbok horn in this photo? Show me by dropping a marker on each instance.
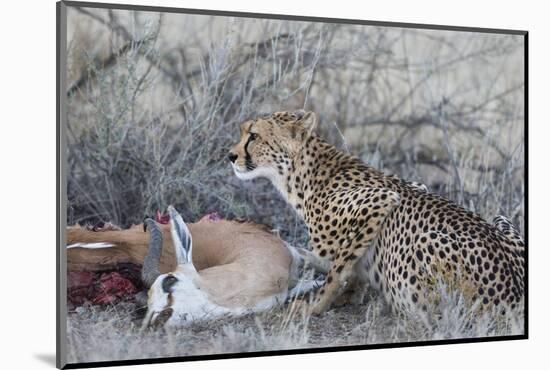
(150, 270)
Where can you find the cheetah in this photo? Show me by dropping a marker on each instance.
(374, 229)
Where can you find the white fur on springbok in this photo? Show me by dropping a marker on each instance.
(91, 245)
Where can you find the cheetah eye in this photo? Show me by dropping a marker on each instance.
(253, 136)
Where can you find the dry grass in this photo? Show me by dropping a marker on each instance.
(155, 103)
(97, 334)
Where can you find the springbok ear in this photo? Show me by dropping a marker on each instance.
(308, 122)
(181, 236)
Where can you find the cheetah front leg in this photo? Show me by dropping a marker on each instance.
(354, 292)
(368, 220)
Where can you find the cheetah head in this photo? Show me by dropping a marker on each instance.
(268, 144)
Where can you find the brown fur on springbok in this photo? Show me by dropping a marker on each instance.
(239, 266)
(214, 243)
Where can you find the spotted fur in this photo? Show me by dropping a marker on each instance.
(376, 229)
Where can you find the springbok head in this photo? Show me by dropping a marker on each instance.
(174, 298)
(232, 285)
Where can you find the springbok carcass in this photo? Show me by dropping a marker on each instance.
(199, 271)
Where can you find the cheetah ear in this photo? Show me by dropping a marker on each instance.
(307, 122)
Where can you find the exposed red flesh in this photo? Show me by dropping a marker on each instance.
(213, 216)
(103, 287)
(110, 286)
(162, 218)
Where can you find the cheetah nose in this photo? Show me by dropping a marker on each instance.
(232, 157)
